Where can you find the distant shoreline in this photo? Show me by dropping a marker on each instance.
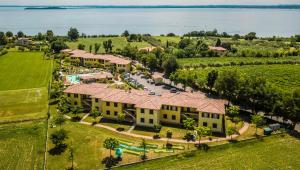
(295, 6)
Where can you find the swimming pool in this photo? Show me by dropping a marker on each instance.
(73, 79)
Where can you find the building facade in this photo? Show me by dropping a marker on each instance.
(82, 58)
(149, 110)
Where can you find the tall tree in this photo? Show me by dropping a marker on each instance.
(170, 65)
(58, 137)
(49, 35)
(20, 34)
(57, 46)
(97, 48)
(231, 131)
(228, 84)
(59, 120)
(125, 33)
(110, 143)
(9, 34)
(73, 34)
(108, 45)
(71, 156)
(90, 48)
(256, 120)
(3, 39)
(189, 123)
(211, 78)
(218, 43)
(81, 46)
(202, 131)
(143, 145)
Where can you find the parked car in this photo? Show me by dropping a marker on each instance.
(151, 93)
(173, 90)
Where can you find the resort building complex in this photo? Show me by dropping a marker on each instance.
(83, 58)
(149, 110)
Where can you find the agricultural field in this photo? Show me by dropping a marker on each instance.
(23, 86)
(284, 76)
(22, 145)
(253, 154)
(118, 42)
(227, 60)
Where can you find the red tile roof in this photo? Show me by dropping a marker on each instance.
(107, 57)
(141, 99)
(217, 48)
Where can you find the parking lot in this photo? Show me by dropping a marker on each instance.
(158, 89)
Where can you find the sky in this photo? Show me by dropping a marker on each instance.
(144, 2)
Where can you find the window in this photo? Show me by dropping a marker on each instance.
(116, 104)
(107, 112)
(173, 117)
(205, 124)
(97, 100)
(174, 108)
(76, 95)
(165, 116)
(116, 113)
(142, 110)
(107, 104)
(188, 109)
(69, 95)
(206, 115)
(215, 125)
(151, 121)
(151, 112)
(142, 120)
(75, 103)
(97, 108)
(215, 116)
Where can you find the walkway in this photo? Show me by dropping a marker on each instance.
(241, 131)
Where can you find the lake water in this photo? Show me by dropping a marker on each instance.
(265, 22)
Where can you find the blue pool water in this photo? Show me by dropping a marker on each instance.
(73, 79)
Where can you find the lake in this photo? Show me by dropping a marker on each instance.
(265, 22)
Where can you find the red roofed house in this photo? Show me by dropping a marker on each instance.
(149, 110)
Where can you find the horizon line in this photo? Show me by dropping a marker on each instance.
(160, 6)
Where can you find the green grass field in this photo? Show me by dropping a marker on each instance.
(23, 86)
(24, 70)
(118, 42)
(88, 144)
(22, 146)
(164, 39)
(228, 60)
(273, 152)
(284, 76)
(23, 104)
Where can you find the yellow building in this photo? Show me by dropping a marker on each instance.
(83, 58)
(149, 110)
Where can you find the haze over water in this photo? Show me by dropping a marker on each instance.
(265, 22)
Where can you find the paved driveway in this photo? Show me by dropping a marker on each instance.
(151, 87)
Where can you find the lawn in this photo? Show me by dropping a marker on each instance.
(164, 39)
(22, 146)
(273, 152)
(118, 42)
(24, 78)
(88, 144)
(24, 70)
(228, 60)
(284, 76)
(23, 104)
